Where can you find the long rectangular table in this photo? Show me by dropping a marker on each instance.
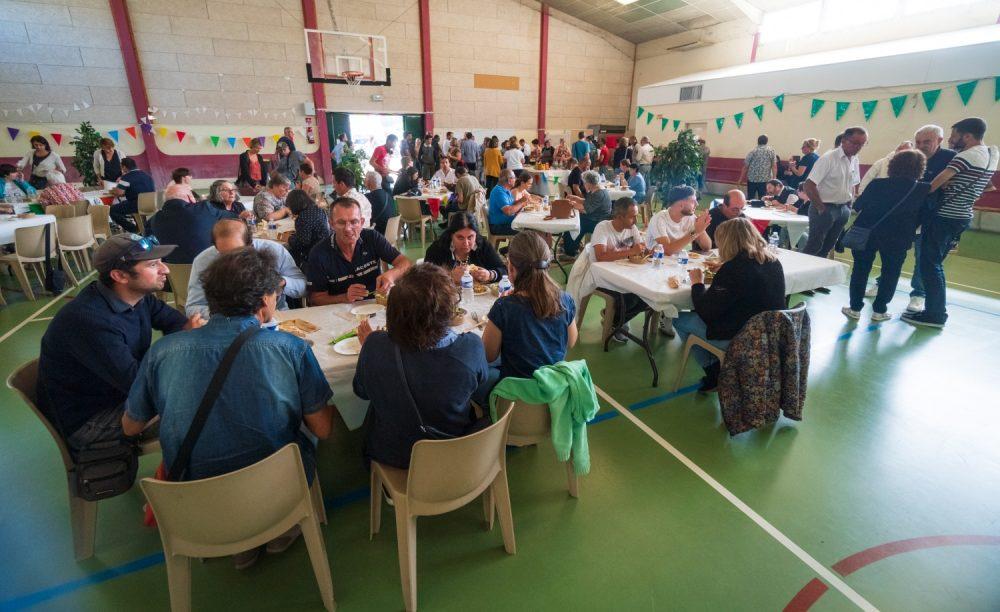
(335, 320)
(10, 223)
(796, 224)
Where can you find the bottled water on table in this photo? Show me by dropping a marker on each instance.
(504, 285)
(658, 255)
(468, 294)
(682, 257)
(272, 230)
(772, 242)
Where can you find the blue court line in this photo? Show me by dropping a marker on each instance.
(32, 599)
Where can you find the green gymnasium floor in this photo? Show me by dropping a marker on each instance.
(888, 492)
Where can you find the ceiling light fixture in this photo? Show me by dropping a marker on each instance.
(625, 1)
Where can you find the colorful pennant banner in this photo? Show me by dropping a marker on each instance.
(868, 107)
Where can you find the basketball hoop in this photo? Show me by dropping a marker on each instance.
(354, 78)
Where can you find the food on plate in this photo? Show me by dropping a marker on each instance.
(459, 317)
(479, 289)
(673, 282)
(297, 327)
(694, 256)
(344, 336)
(638, 258)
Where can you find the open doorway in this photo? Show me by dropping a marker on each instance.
(370, 131)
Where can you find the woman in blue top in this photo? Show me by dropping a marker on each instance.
(13, 188)
(634, 181)
(797, 175)
(535, 324)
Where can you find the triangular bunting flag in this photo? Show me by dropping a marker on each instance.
(113, 134)
(649, 118)
(841, 109)
(34, 133)
(246, 141)
(232, 142)
(930, 98)
(663, 123)
(276, 137)
(639, 111)
(180, 136)
(162, 132)
(996, 88)
(677, 124)
(57, 138)
(131, 131)
(719, 121)
(262, 140)
(779, 101)
(965, 91)
(759, 111)
(215, 140)
(13, 133)
(898, 102)
(738, 117)
(817, 104)
(868, 107)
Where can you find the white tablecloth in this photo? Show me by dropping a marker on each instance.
(795, 223)
(284, 225)
(94, 197)
(544, 181)
(335, 320)
(617, 193)
(10, 223)
(536, 221)
(802, 272)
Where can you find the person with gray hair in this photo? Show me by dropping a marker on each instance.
(224, 195)
(832, 186)
(503, 207)
(594, 207)
(269, 204)
(286, 161)
(382, 208)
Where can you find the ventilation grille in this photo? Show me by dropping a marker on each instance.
(691, 93)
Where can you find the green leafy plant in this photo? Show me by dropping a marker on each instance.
(677, 163)
(352, 160)
(86, 141)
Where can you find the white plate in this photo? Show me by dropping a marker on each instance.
(348, 346)
(367, 309)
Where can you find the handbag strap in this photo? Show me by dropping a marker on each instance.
(180, 465)
(406, 385)
(48, 251)
(893, 209)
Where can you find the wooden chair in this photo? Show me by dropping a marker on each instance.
(531, 424)
(100, 217)
(236, 512)
(444, 475)
(180, 277)
(410, 215)
(29, 248)
(83, 513)
(76, 237)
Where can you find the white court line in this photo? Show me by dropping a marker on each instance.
(820, 569)
(43, 309)
(908, 275)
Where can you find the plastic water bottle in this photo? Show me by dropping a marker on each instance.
(504, 285)
(468, 294)
(682, 257)
(545, 203)
(272, 230)
(658, 255)
(772, 242)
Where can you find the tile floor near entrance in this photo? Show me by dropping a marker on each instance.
(888, 492)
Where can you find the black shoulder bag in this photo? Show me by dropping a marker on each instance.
(179, 468)
(856, 238)
(55, 280)
(429, 432)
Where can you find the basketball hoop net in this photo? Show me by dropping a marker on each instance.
(353, 78)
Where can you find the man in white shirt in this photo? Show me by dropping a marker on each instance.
(832, 187)
(676, 226)
(644, 156)
(880, 169)
(614, 239)
(446, 174)
(343, 186)
(515, 160)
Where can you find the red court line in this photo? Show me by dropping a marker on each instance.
(815, 589)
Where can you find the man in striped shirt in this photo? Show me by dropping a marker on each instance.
(965, 178)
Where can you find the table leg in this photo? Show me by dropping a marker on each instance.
(643, 342)
(555, 255)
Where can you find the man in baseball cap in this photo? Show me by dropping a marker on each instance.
(92, 349)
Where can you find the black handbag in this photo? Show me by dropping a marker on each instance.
(106, 469)
(55, 279)
(428, 432)
(856, 238)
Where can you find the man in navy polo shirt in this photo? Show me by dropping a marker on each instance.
(91, 351)
(130, 185)
(346, 268)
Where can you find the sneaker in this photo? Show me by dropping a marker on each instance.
(667, 326)
(281, 543)
(871, 291)
(916, 304)
(878, 317)
(822, 290)
(246, 559)
(619, 337)
(921, 319)
(808, 292)
(851, 314)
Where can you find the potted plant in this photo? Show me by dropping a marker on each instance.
(352, 160)
(86, 141)
(677, 163)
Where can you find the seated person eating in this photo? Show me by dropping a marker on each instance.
(614, 239)
(346, 268)
(503, 207)
(461, 246)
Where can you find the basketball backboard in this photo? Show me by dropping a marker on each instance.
(338, 57)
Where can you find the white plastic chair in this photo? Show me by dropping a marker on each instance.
(180, 277)
(76, 237)
(236, 512)
(29, 248)
(100, 217)
(531, 424)
(444, 475)
(410, 215)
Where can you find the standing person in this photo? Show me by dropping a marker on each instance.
(108, 162)
(42, 161)
(470, 152)
(446, 143)
(429, 155)
(604, 159)
(705, 152)
(492, 160)
(621, 152)
(311, 226)
(479, 162)
(503, 207)
(562, 154)
(831, 188)
(581, 148)
(454, 153)
(548, 153)
(880, 169)
(286, 162)
(91, 351)
(890, 208)
(965, 178)
(252, 175)
(406, 148)
(338, 148)
(794, 176)
(594, 207)
(380, 160)
(130, 185)
(514, 157)
(536, 151)
(288, 138)
(644, 156)
(759, 166)
(615, 239)
(382, 206)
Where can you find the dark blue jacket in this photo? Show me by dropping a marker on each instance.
(189, 226)
(896, 232)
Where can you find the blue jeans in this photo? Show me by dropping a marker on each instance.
(892, 265)
(916, 282)
(937, 237)
(572, 245)
(689, 323)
